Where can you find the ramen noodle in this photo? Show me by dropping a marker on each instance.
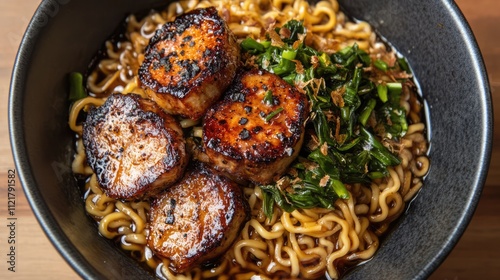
(305, 243)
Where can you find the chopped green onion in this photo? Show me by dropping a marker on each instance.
(382, 92)
(345, 50)
(325, 59)
(76, 89)
(394, 92)
(284, 67)
(353, 153)
(395, 88)
(268, 98)
(382, 65)
(376, 175)
(266, 44)
(289, 54)
(273, 114)
(345, 113)
(365, 114)
(339, 188)
(250, 45)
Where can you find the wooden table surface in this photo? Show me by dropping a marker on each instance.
(476, 256)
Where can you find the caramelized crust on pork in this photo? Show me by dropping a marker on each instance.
(257, 129)
(197, 219)
(190, 62)
(134, 147)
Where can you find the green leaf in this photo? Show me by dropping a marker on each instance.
(268, 203)
(278, 198)
(378, 150)
(353, 154)
(296, 27)
(252, 46)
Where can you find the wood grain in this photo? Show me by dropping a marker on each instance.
(476, 256)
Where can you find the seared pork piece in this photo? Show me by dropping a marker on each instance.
(190, 62)
(197, 219)
(134, 147)
(257, 129)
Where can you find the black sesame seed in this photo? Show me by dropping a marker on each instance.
(257, 129)
(243, 121)
(244, 134)
(237, 97)
(248, 109)
(170, 217)
(165, 62)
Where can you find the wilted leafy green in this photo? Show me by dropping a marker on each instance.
(343, 99)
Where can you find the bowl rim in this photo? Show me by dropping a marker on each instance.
(76, 260)
(40, 209)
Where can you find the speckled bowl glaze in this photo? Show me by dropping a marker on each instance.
(64, 35)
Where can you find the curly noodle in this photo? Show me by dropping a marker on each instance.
(304, 243)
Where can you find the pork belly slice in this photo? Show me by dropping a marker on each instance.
(134, 147)
(257, 129)
(190, 62)
(197, 219)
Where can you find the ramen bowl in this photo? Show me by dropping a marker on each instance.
(64, 36)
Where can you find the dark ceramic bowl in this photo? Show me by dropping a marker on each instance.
(64, 35)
